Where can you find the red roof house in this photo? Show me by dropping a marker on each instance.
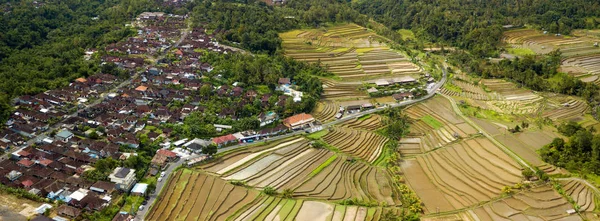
(222, 140)
(25, 163)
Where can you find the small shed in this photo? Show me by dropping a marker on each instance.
(139, 189)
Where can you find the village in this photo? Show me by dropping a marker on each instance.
(54, 139)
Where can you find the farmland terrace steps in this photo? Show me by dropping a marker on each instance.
(344, 180)
(267, 162)
(359, 143)
(482, 178)
(370, 124)
(581, 194)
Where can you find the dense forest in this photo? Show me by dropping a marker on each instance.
(581, 152)
(42, 45)
(478, 25)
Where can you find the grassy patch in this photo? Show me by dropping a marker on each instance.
(471, 111)
(317, 135)
(364, 117)
(323, 165)
(429, 120)
(406, 34)
(132, 203)
(454, 88)
(520, 51)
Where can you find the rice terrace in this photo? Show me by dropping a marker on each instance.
(309, 110)
(456, 160)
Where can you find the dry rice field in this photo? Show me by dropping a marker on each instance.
(326, 110)
(292, 164)
(352, 53)
(360, 143)
(542, 43)
(192, 195)
(195, 195)
(271, 209)
(535, 204)
(565, 108)
(513, 100)
(539, 203)
(424, 137)
(372, 123)
(583, 195)
(464, 174)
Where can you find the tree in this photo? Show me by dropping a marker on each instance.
(210, 149)
(269, 191)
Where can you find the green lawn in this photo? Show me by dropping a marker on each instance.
(520, 51)
(130, 201)
(317, 135)
(429, 120)
(365, 117)
(323, 165)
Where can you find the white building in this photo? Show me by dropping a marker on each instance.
(123, 177)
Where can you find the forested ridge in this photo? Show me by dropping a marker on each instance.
(477, 25)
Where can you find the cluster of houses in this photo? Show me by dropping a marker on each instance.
(54, 166)
(35, 113)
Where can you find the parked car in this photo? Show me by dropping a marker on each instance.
(141, 208)
(159, 179)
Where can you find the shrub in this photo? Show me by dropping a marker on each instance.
(269, 191)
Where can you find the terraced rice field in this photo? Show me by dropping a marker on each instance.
(292, 164)
(513, 100)
(539, 203)
(372, 123)
(341, 90)
(325, 111)
(543, 43)
(353, 53)
(345, 179)
(585, 197)
(468, 90)
(586, 67)
(567, 110)
(463, 173)
(360, 143)
(424, 137)
(193, 195)
(270, 208)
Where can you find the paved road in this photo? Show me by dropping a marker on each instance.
(159, 186)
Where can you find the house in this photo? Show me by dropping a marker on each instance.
(220, 127)
(159, 161)
(353, 108)
(267, 118)
(170, 155)
(41, 218)
(402, 96)
(122, 216)
(25, 163)
(64, 136)
(298, 121)
(103, 187)
(382, 83)
(139, 189)
(197, 144)
(284, 81)
(123, 177)
(224, 140)
(68, 211)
